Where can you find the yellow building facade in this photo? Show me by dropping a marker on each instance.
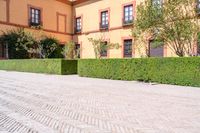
(78, 21)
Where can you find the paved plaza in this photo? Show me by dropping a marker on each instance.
(40, 103)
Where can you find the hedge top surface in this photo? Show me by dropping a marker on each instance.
(178, 71)
(50, 66)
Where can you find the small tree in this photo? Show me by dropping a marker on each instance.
(100, 45)
(69, 50)
(19, 43)
(175, 23)
(47, 46)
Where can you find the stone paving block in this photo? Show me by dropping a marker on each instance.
(39, 103)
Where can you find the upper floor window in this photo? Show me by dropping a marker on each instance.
(128, 48)
(157, 3)
(128, 14)
(198, 7)
(104, 20)
(104, 51)
(78, 27)
(35, 17)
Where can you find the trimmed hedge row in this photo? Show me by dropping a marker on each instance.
(50, 66)
(177, 71)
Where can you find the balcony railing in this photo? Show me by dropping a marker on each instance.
(76, 30)
(103, 26)
(35, 24)
(127, 22)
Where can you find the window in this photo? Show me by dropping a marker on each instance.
(1, 51)
(128, 48)
(77, 50)
(128, 15)
(198, 7)
(35, 17)
(4, 51)
(156, 49)
(157, 3)
(104, 49)
(104, 20)
(78, 25)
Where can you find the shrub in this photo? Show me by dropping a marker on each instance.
(57, 53)
(70, 50)
(49, 48)
(19, 42)
(50, 66)
(69, 67)
(177, 71)
(24, 45)
(100, 45)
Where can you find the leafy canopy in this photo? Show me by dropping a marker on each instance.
(175, 22)
(100, 45)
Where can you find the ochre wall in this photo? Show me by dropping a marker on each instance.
(2, 10)
(90, 12)
(58, 21)
(56, 16)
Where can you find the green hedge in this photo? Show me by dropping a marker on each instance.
(178, 71)
(50, 66)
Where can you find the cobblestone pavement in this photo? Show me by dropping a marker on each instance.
(39, 103)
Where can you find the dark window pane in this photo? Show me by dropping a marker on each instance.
(104, 50)
(198, 49)
(35, 17)
(157, 3)
(198, 6)
(77, 50)
(156, 51)
(1, 51)
(78, 25)
(128, 48)
(128, 14)
(104, 19)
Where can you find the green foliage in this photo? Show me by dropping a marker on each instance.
(70, 51)
(198, 37)
(100, 45)
(49, 48)
(19, 43)
(57, 53)
(178, 71)
(69, 67)
(22, 45)
(50, 66)
(175, 22)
